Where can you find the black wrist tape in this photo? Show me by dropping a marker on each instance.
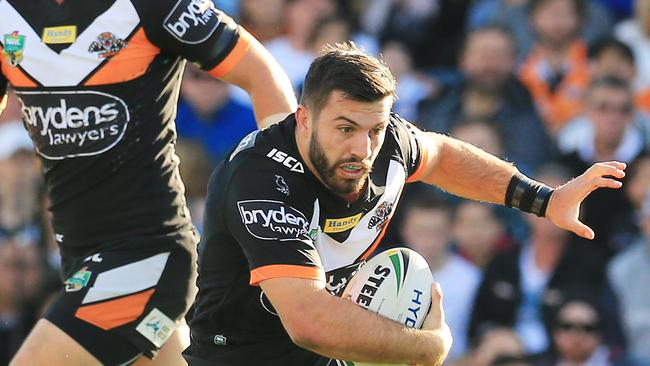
(528, 195)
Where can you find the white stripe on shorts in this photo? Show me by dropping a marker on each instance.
(127, 279)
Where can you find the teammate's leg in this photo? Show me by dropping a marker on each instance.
(49, 345)
(170, 353)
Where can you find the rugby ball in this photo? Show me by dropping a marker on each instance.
(396, 284)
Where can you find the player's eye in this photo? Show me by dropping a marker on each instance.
(346, 130)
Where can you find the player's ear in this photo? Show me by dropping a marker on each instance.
(303, 117)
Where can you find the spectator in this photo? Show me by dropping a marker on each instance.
(577, 336)
(611, 57)
(20, 183)
(512, 14)
(478, 233)
(206, 113)
(611, 132)
(522, 288)
(497, 346)
(195, 172)
(426, 228)
(490, 91)
(556, 70)
(412, 87)
(635, 33)
(20, 270)
(293, 50)
(629, 275)
(263, 18)
(480, 133)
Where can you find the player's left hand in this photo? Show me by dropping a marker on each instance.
(564, 206)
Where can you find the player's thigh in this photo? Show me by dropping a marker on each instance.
(170, 353)
(49, 345)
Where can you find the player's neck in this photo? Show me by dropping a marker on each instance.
(58, 2)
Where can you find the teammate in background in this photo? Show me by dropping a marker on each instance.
(99, 83)
(295, 208)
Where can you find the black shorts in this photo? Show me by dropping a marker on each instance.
(126, 299)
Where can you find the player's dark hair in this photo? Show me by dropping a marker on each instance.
(611, 44)
(579, 5)
(344, 67)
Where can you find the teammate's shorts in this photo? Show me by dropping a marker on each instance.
(126, 300)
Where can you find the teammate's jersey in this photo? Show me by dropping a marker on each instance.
(268, 216)
(98, 81)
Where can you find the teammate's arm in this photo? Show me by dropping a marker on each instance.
(465, 170)
(339, 329)
(212, 40)
(265, 81)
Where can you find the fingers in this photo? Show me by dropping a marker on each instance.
(436, 314)
(612, 168)
(581, 229)
(601, 182)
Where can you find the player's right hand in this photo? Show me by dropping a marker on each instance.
(435, 321)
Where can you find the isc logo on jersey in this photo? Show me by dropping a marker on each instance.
(192, 21)
(69, 124)
(289, 161)
(272, 220)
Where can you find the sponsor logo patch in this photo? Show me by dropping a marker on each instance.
(342, 224)
(272, 220)
(156, 327)
(281, 185)
(14, 44)
(73, 123)
(192, 21)
(78, 280)
(106, 45)
(285, 159)
(59, 35)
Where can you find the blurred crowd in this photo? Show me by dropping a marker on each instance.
(550, 85)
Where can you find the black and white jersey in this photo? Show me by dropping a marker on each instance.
(268, 216)
(98, 81)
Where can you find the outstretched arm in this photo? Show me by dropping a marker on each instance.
(340, 329)
(470, 172)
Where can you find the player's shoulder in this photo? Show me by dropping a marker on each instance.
(188, 21)
(270, 151)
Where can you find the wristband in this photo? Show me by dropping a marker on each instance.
(528, 195)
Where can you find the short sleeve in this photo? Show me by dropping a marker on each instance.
(412, 145)
(197, 31)
(269, 214)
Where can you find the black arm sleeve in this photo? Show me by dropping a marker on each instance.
(192, 29)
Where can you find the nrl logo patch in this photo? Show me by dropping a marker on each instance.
(106, 45)
(14, 44)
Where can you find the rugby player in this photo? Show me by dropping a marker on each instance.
(295, 208)
(99, 82)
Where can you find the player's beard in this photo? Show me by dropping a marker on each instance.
(327, 171)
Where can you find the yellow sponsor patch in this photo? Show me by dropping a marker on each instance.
(57, 35)
(339, 225)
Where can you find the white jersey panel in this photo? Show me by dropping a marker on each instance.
(76, 62)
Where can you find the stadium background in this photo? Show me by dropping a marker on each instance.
(544, 84)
